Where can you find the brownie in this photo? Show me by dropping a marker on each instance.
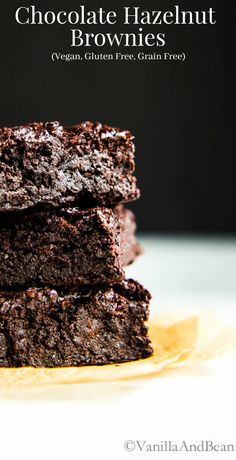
(90, 325)
(66, 247)
(45, 165)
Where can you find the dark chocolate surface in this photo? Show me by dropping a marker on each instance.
(44, 327)
(45, 165)
(66, 247)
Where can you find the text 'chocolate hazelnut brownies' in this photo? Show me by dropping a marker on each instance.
(65, 238)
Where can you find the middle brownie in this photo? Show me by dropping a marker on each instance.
(69, 247)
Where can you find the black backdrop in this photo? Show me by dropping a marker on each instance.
(181, 113)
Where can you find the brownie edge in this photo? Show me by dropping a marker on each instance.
(90, 325)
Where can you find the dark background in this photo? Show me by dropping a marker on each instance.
(180, 113)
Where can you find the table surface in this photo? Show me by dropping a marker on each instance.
(180, 270)
(191, 274)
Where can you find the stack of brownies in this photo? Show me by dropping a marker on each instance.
(65, 239)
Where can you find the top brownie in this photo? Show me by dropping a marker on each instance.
(46, 165)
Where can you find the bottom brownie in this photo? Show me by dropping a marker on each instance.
(43, 327)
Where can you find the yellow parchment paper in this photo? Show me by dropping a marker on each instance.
(176, 344)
